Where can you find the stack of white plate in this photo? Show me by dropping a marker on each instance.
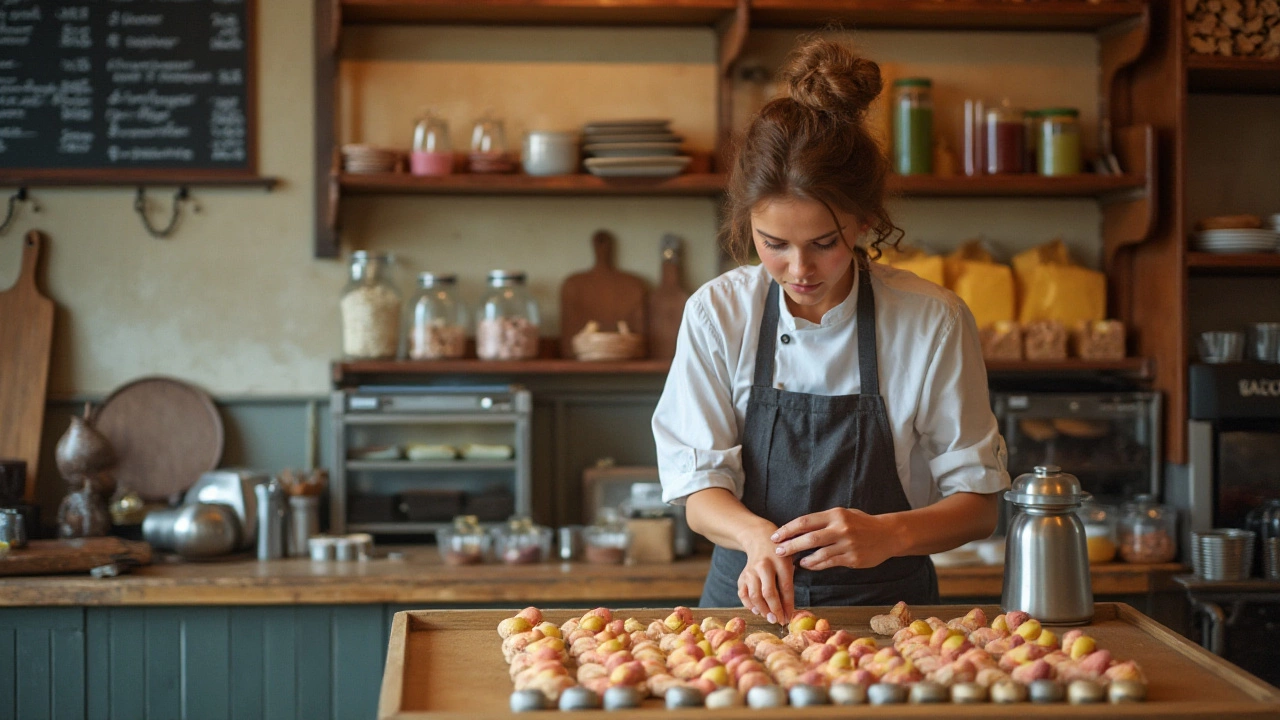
(632, 148)
(1275, 222)
(369, 159)
(1236, 240)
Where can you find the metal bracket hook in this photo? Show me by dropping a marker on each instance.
(19, 196)
(140, 206)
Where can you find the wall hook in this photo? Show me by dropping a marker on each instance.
(19, 196)
(140, 207)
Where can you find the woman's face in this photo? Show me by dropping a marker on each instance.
(807, 250)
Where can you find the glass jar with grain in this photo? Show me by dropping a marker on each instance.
(440, 319)
(370, 308)
(508, 321)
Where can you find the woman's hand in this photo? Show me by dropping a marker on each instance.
(840, 537)
(766, 585)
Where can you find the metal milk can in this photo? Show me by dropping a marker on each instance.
(1046, 563)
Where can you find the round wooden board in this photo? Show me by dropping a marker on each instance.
(165, 433)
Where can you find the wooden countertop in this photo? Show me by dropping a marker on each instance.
(420, 577)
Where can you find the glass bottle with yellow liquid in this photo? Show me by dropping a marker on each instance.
(1099, 530)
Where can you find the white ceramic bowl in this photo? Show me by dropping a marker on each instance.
(549, 152)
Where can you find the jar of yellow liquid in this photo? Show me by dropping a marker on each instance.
(1059, 147)
(1099, 530)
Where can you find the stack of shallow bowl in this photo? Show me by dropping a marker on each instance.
(632, 148)
(1271, 558)
(1222, 554)
(1236, 240)
(366, 159)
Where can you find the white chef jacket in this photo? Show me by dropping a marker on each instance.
(932, 377)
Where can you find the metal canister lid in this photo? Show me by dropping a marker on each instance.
(505, 277)
(432, 279)
(1047, 487)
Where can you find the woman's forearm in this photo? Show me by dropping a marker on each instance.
(718, 515)
(944, 525)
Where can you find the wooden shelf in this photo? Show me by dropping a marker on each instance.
(1219, 74)
(1083, 185)
(1199, 263)
(538, 12)
(430, 465)
(710, 185)
(1137, 367)
(694, 184)
(1043, 15)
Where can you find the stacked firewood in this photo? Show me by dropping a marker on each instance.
(1240, 28)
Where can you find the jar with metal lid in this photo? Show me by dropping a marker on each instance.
(370, 306)
(1046, 566)
(1006, 140)
(521, 542)
(463, 543)
(508, 321)
(913, 126)
(1100, 530)
(440, 319)
(608, 540)
(1147, 531)
(1059, 141)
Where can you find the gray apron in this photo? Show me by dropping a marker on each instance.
(806, 453)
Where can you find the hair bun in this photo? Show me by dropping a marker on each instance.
(828, 77)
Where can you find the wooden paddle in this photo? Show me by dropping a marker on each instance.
(603, 294)
(26, 333)
(666, 302)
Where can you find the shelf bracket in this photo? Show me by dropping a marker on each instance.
(1119, 47)
(20, 196)
(182, 195)
(1129, 218)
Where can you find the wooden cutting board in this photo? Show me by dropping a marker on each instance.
(666, 302)
(603, 294)
(57, 557)
(26, 334)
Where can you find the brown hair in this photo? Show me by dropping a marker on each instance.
(813, 144)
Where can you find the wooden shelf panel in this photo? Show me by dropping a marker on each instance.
(1219, 74)
(711, 184)
(1138, 367)
(694, 184)
(1044, 15)
(430, 465)
(538, 12)
(1199, 263)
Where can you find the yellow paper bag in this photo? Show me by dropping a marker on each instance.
(987, 288)
(1025, 262)
(971, 251)
(1066, 293)
(914, 260)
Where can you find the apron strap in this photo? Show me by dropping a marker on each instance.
(768, 342)
(868, 367)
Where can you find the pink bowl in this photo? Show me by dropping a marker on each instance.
(431, 163)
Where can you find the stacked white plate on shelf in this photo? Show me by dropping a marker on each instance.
(632, 148)
(1236, 240)
(369, 159)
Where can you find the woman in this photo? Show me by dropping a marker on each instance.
(826, 419)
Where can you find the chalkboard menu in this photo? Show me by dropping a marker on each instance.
(126, 87)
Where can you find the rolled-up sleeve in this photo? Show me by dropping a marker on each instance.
(695, 427)
(957, 429)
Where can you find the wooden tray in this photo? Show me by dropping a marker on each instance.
(448, 664)
(80, 555)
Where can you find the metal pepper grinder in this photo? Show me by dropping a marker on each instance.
(271, 520)
(1046, 561)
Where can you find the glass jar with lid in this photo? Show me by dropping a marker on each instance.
(1099, 530)
(465, 542)
(508, 320)
(1006, 140)
(521, 542)
(607, 541)
(1147, 531)
(440, 319)
(432, 152)
(913, 126)
(370, 306)
(1059, 146)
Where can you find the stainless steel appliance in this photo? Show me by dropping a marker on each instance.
(1046, 566)
(1109, 440)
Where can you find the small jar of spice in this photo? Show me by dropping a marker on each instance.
(1147, 530)
(608, 540)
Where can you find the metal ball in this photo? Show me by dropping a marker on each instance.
(886, 694)
(1046, 691)
(968, 692)
(766, 696)
(928, 692)
(1122, 691)
(808, 696)
(1008, 691)
(527, 701)
(682, 696)
(848, 694)
(621, 697)
(725, 698)
(1083, 692)
(579, 698)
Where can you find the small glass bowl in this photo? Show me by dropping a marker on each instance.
(522, 544)
(466, 543)
(605, 545)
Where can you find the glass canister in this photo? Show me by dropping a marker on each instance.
(370, 307)
(1006, 140)
(1147, 531)
(1099, 531)
(522, 542)
(432, 151)
(507, 324)
(440, 319)
(1031, 132)
(607, 542)
(1059, 150)
(464, 543)
(913, 126)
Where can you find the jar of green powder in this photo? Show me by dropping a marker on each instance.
(1059, 141)
(913, 126)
